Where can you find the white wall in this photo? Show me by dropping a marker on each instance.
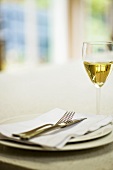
(31, 32)
(59, 13)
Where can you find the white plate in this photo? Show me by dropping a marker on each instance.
(103, 136)
(93, 135)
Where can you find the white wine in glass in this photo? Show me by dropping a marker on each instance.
(97, 59)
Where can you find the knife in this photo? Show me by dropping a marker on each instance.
(48, 129)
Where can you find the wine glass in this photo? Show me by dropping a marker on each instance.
(97, 59)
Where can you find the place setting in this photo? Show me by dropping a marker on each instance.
(62, 130)
(72, 131)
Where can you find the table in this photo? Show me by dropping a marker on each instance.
(42, 89)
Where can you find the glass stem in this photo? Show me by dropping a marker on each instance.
(98, 95)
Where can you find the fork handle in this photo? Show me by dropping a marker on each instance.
(30, 135)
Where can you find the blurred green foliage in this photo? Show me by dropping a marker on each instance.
(99, 6)
(43, 3)
(97, 23)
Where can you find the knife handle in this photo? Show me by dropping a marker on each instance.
(30, 135)
(32, 130)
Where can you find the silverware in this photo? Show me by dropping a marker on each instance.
(53, 127)
(67, 116)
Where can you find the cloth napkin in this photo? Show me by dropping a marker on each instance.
(58, 138)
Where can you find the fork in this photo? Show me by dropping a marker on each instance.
(31, 133)
(53, 127)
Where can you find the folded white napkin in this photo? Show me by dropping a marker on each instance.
(59, 137)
